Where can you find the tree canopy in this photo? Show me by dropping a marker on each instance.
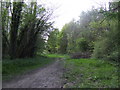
(22, 24)
(97, 32)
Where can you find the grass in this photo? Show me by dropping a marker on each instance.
(57, 56)
(90, 73)
(11, 68)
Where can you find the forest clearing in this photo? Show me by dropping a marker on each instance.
(82, 52)
(63, 73)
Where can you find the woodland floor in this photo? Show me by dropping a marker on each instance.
(69, 73)
(46, 77)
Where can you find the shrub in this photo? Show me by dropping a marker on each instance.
(108, 46)
(82, 45)
(101, 49)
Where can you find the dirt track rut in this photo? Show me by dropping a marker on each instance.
(47, 77)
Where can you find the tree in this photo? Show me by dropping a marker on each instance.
(5, 26)
(63, 42)
(82, 45)
(15, 22)
(108, 46)
(27, 23)
(52, 43)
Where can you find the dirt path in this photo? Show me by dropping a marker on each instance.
(47, 77)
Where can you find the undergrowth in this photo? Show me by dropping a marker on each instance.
(90, 73)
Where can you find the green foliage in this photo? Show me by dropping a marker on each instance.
(52, 42)
(108, 47)
(86, 27)
(82, 44)
(40, 44)
(112, 13)
(57, 55)
(63, 42)
(90, 73)
(96, 31)
(22, 26)
(101, 49)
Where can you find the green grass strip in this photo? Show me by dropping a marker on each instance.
(90, 73)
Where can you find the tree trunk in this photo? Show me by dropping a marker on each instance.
(17, 8)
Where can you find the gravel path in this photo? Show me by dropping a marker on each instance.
(46, 77)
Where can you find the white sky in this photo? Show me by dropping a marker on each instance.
(66, 10)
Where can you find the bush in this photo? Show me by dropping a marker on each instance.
(108, 46)
(101, 49)
(113, 56)
(82, 45)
